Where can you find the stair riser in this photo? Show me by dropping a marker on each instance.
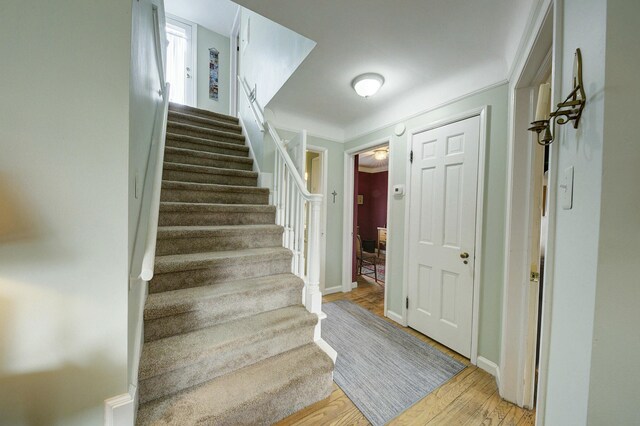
(215, 218)
(204, 114)
(192, 244)
(314, 387)
(204, 133)
(214, 197)
(223, 309)
(185, 176)
(224, 362)
(177, 143)
(223, 163)
(208, 123)
(199, 277)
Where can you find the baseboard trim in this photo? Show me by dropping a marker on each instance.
(332, 290)
(395, 317)
(354, 284)
(488, 366)
(327, 349)
(120, 410)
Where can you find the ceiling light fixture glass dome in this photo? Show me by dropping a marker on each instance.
(380, 154)
(368, 84)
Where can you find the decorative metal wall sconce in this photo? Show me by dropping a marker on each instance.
(569, 110)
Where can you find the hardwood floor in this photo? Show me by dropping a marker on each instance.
(469, 398)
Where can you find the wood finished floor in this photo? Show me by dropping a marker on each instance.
(470, 398)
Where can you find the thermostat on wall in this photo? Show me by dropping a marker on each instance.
(398, 190)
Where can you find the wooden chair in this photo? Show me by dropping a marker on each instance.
(366, 259)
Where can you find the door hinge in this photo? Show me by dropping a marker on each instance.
(407, 303)
(411, 157)
(534, 276)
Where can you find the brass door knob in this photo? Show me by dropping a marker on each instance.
(464, 255)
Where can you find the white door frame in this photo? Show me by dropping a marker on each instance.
(324, 158)
(233, 68)
(482, 112)
(194, 56)
(515, 326)
(347, 245)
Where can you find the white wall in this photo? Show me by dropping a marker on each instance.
(615, 363)
(270, 57)
(335, 210)
(577, 236)
(144, 102)
(64, 144)
(494, 208)
(206, 40)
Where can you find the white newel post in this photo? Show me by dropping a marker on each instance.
(313, 297)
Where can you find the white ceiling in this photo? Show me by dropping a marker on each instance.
(427, 50)
(367, 159)
(216, 15)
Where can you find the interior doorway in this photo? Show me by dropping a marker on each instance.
(367, 219)
(181, 61)
(530, 226)
(315, 176)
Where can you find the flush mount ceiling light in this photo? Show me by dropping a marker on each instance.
(368, 84)
(380, 154)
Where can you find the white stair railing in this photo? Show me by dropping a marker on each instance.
(290, 195)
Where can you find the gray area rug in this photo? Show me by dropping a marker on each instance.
(380, 367)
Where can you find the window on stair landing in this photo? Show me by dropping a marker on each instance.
(179, 62)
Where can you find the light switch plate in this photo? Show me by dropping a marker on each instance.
(566, 188)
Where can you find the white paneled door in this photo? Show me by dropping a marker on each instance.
(442, 220)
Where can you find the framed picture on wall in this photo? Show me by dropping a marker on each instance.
(213, 74)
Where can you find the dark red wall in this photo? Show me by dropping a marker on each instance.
(373, 213)
(354, 272)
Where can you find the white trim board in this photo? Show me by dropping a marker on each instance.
(488, 366)
(332, 290)
(483, 113)
(395, 317)
(233, 71)
(324, 155)
(120, 410)
(514, 332)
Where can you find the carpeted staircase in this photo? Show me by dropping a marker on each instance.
(227, 340)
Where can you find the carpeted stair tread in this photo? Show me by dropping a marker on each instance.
(206, 144)
(196, 231)
(169, 150)
(168, 354)
(209, 170)
(212, 123)
(196, 186)
(208, 174)
(191, 239)
(202, 112)
(203, 132)
(192, 261)
(182, 213)
(170, 206)
(171, 303)
(194, 192)
(180, 311)
(260, 394)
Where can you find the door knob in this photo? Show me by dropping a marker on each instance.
(464, 255)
